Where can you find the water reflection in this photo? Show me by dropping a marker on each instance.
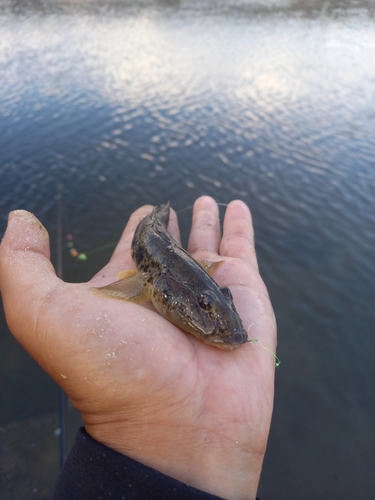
(133, 103)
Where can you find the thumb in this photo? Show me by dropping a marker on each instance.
(26, 273)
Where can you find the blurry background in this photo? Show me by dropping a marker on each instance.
(272, 102)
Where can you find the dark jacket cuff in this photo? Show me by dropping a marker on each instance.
(93, 471)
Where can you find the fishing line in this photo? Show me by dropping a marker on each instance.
(99, 249)
(84, 255)
(277, 359)
(71, 245)
(192, 206)
(59, 272)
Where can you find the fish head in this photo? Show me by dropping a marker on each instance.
(207, 313)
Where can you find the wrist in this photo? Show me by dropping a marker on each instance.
(211, 463)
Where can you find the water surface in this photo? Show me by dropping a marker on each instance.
(273, 103)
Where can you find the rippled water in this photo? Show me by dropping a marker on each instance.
(273, 103)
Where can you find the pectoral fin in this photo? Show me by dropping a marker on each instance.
(126, 274)
(130, 288)
(209, 266)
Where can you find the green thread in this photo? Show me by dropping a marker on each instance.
(277, 359)
(104, 247)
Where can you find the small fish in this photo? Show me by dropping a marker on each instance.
(180, 287)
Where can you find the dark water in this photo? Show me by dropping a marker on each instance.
(274, 103)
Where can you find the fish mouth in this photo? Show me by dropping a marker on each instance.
(230, 341)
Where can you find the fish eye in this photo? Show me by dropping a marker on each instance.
(205, 301)
(226, 292)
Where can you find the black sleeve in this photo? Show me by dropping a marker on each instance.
(93, 471)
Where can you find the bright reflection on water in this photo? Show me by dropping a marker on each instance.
(144, 103)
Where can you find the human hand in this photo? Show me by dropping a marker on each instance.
(143, 387)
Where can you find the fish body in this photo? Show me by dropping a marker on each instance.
(179, 287)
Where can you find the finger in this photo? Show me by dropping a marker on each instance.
(238, 233)
(26, 273)
(204, 236)
(121, 258)
(173, 227)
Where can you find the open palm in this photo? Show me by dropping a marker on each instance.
(144, 387)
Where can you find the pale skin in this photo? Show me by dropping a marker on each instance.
(145, 388)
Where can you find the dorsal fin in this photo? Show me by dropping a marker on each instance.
(161, 213)
(209, 266)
